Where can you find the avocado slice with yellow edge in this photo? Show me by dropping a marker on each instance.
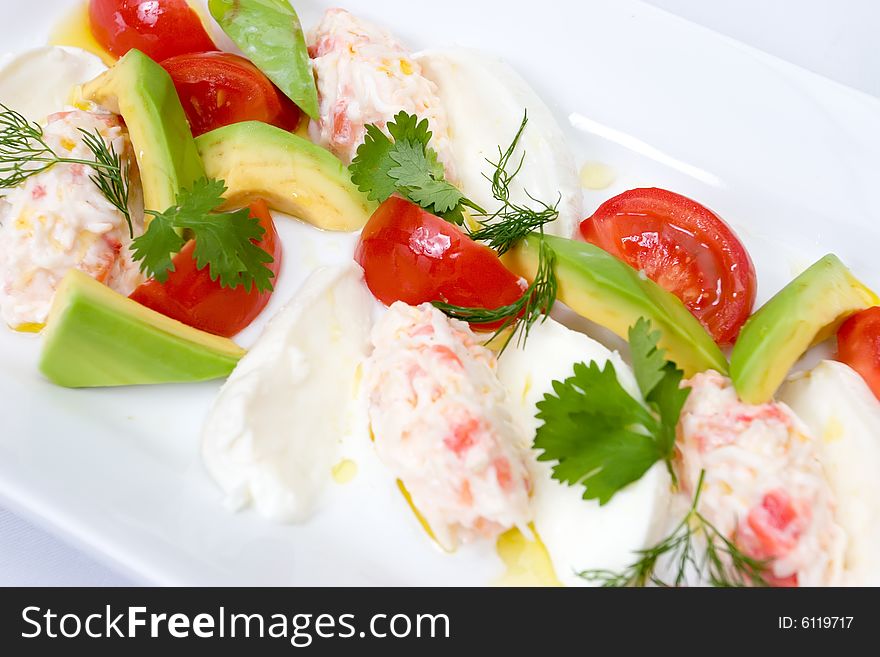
(96, 337)
(805, 312)
(293, 175)
(606, 290)
(143, 93)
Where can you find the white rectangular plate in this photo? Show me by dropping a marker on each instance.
(790, 159)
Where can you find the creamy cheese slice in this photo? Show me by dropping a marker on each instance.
(484, 99)
(844, 416)
(579, 534)
(273, 435)
(42, 81)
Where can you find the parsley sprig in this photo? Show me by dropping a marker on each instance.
(694, 550)
(599, 435)
(405, 164)
(224, 242)
(24, 152)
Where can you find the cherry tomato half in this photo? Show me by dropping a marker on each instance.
(858, 345)
(219, 88)
(411, 255)
(190, 296)
(158, 28)
(686, 249)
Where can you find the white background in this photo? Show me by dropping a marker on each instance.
(835, 38)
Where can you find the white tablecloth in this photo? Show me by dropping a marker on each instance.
(835, 38)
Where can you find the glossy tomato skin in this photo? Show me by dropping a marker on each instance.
(685, 248)
(411, 255)
(158, 28)
(190, 296)
(219, 88)
(858, 345)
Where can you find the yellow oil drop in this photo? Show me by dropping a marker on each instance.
(30, 327)
(73, 30)
(833, 431)
(358, 379)
(79, 102)
(419, 516)
(527, 561)
(595, 175)
(344, 471)
(527, 388)
(470, 221)
(23, 223)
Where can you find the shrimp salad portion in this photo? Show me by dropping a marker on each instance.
(764, 485)
(58, 220)
(440, 423)
(365, 77)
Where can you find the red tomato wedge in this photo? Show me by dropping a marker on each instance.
(158, 28)
(858, 345)
(686, 249)
(219, 88)
(190, 296)
(411, 255)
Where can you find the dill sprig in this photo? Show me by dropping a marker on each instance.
(501, 230)
(25, 153)
(511, 222)
(721, 564)
(111, 174)
(534, 304)
(517, 222)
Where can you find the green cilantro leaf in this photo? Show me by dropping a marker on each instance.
(648, 360)
(658, 379)
(156, 247)
(407, 127)
(407, 166)
(226, 242)
(204, 197)
(414, 177)
(455, 215)
(598, 434)
(369, 169)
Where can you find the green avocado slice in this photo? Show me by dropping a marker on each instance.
(293, 175)
(805, 312)
(269, 33)
(96, 337)
(143, 93)
(605, 290)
